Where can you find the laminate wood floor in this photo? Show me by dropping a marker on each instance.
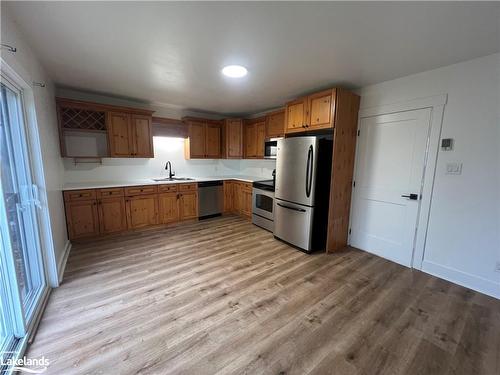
(224, 297)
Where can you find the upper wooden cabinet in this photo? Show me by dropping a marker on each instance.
(204, 139)
(313, 112)
(109, 131)
(213, 140)
(130, 135)
(232, 139)
(275, 124)
(142, 135)
(296, 115)
(254, 138)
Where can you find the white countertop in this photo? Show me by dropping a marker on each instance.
(110, 184)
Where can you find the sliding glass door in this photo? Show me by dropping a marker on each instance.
(22, 276)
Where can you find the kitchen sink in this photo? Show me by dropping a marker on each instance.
(174, 179)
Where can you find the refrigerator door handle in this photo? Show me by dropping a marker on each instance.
(291, 208)
(309, 171)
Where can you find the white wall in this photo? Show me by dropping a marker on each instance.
(463, 241)
(25, 64)
(164, 149)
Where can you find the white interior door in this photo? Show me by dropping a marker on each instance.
(389, 178)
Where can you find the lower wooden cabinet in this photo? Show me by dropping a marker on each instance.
(238, 198)
(246, 200)
(112, 215)
(94, 212)
(142, 211)
(82, 218)
(188, 205)
(168, 205)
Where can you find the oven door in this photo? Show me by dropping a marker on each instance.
(262, 203)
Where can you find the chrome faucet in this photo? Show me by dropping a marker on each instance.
(168, 167)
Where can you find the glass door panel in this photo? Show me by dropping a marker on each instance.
(18, 205)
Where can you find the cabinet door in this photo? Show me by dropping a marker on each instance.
(213, 138)
(142, 211)
(250, 141)
(168, 204)
(119, 132)
(233, 139)
(196, 141)
(82, 219)
(188, 205)
(112, 215)
(237, 197)
(320, 109)
(228, 196)
(260, 139)
(143, 136)
(296, 115)
(275, 124)
(246, 199)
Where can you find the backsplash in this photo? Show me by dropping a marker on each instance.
(165, 149)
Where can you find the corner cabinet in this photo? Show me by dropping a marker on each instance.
(313, 112)
(232, 139)
(255, 137)
(204, 139)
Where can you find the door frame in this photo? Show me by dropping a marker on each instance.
(436, 104)
(34, 149)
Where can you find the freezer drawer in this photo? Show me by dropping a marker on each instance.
(293, 223)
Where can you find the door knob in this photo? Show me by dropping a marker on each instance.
(413, 197)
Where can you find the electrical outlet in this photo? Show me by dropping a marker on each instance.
(497, 268)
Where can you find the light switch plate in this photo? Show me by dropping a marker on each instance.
(454, 168)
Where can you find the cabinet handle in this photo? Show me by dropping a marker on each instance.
(95, 203)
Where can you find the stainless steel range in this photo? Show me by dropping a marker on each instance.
(263, 204)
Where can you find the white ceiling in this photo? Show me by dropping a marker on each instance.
(173, 52)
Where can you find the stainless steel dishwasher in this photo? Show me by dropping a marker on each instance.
(210, 199)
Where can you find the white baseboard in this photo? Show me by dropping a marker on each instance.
(465, 279)
(62, 262)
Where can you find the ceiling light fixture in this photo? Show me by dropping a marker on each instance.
(234, 71)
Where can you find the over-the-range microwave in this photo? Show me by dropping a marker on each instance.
(271, 148)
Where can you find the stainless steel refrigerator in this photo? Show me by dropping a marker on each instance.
(303, 174)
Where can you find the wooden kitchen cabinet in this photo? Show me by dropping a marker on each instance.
(142, 136)
(246, 200)
(82, 218)
(112, 215)
(213, 141)
(142, 210)
(232, 139)
(313, 112)
(255, 136)
(321, 107)
(119, 134)
(168, 205)
(204, 139)
(130, 135)
(275, 124)
(188, 205)
(296, 115)
(228, 196)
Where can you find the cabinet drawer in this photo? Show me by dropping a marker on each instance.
(113, 192)
(79, 195)
(188, 187)
(170, 188)
(140, 190)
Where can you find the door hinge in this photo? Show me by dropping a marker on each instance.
(354, 184)
(349, 230)
(359, 132)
